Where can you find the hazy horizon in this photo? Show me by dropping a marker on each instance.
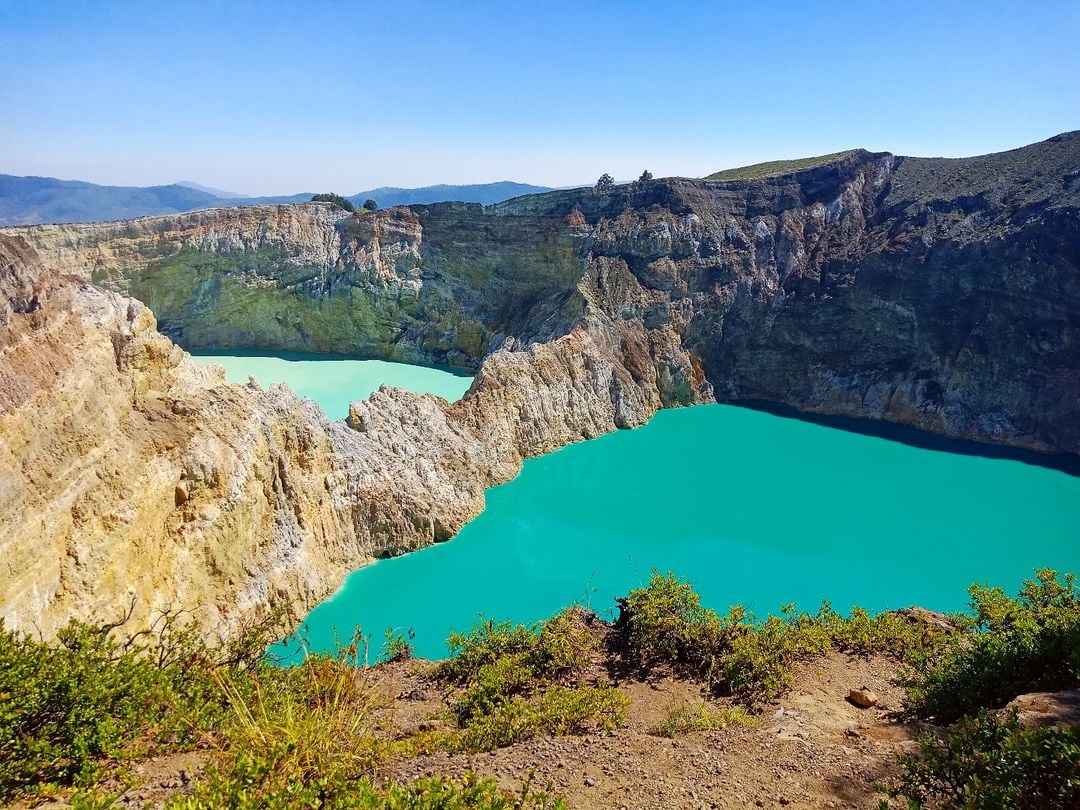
(270, 99)
(226, 194)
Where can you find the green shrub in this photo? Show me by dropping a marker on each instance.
(502, 725)
(560, 647)
(66, 709)
(563, 710)
(757, 662)
(557, 710)
(397, 646)
(495, 684)
(72, 709)
(266, 777)
(484, 643)
(985, 762)
(517, 682)
(91, 799)
(341, 202)
(471, 791)
(264, 781)
(60, 713)
(887, 633)
(1027, 644)
(565, 645)
(665, 624)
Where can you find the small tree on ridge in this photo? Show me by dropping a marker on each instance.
(336, 199)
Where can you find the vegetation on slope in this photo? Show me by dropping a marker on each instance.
(777, 167)
(1027, 644)
(78, 712)
(253, 298)
(664, 624)
(990, 761)
(1016, 178)
(516, 682)
(986, 759)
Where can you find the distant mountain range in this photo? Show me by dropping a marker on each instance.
(217, 192)
(35, 200)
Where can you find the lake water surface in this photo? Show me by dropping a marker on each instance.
(752, 508)
(334, 382)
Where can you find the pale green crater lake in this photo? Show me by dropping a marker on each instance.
(334, 382)
(752, 508)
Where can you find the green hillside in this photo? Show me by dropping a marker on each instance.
(774, 167)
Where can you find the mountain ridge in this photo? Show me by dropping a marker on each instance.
(38, 200)
(217, 192)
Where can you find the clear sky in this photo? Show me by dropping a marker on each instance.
(282, 96)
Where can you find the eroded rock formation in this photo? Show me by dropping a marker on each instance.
(941, 294)
(129, 473)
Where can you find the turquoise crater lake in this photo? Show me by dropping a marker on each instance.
(334, 382)
(753, 508)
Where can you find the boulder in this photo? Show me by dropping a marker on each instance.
(1047, 709)
(864, 698)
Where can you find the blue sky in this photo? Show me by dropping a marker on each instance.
(279, 97)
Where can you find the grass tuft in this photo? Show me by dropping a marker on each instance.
(684, 717)
(515, 682)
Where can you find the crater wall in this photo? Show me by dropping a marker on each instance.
(940, 294)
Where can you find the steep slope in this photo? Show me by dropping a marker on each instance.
(314, 278)
(128, 473)
(942, 295)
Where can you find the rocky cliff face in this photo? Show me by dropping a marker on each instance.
(131, 476)
(128, 472)
(939, 294)
(400, 284)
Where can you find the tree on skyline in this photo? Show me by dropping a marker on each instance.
(336, 199)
